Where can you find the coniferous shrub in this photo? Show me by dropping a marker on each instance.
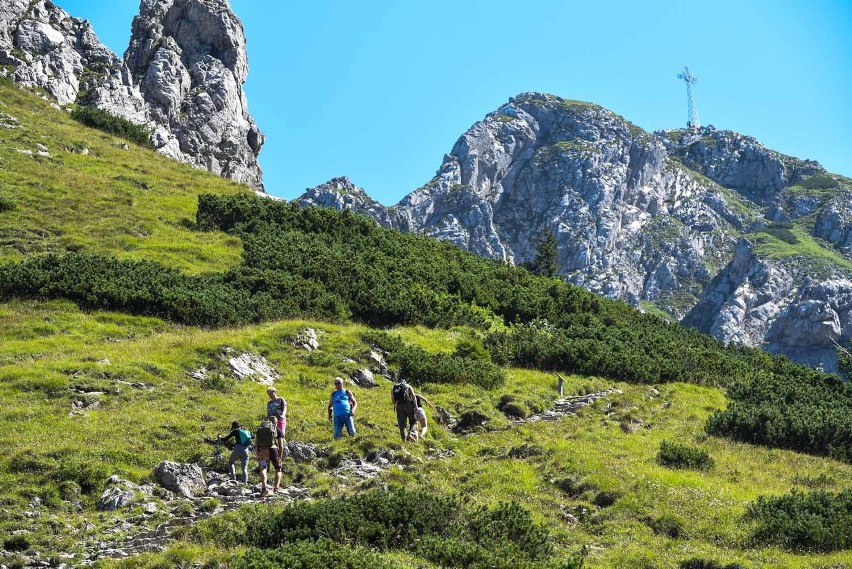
(815, 521)
(107, 122)
(385, 521)
(677, 455)
(6, 204)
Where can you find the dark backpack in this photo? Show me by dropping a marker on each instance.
(265, 435)
(401, 392)
(245, 437)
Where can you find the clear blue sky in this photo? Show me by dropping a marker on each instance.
(379, 90)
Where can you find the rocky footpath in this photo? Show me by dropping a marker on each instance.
(663, 220)
(182, 75)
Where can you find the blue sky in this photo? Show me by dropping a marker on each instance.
(379, 90)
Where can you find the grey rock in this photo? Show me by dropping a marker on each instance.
(182, 76)
(301, 452)
(253, 366)
(184, 479)
(114, 498)
(118, 494)
(364, 378)
(306, 340)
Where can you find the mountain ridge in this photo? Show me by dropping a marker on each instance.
(651, 218)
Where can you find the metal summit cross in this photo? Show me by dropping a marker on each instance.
(690, 80)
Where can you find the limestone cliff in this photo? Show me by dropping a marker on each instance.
(182, 75)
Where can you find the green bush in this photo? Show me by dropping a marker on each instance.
(815, 521)
(790, 407)
(16, 543)
(819, 182)
(419, 366)
(385, 521)
(472, 349)
(320, 554)
(102, 120)
(6, 204)
(676, 455)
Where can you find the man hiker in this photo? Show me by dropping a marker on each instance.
(242, 442)
(267, 452)
(277, 407)
(341, 409)
(404, 401)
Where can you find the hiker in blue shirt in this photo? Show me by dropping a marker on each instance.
(341, 409)
(242, 442)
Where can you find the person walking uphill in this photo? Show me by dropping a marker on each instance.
(277, 407)
(404, 401)
(341, 409)
(242, 442)
(267, 452)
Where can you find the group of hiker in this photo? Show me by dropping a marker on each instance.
(268, 440)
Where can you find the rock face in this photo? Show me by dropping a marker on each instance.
(182, 76)
(184, 479)
(689, 222)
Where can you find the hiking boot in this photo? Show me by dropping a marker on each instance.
(264, 493)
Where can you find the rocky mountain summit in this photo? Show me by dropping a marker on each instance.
(182, 76)
(707, 226)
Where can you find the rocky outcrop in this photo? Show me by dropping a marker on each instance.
(190, 60)
(834, 222)
(741, 302)
(182, 76)
(820, 315)
(738, 162)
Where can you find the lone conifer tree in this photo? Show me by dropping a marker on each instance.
(544, 262)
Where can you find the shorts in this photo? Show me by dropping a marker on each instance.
(267, 455)
(420, 414)
(282, 427)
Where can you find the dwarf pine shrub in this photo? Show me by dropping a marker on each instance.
(677, 455)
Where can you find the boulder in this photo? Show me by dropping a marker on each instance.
(301, 452)
(184, 479)
(364, 378)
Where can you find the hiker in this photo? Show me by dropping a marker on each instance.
(420, 413)
(341, 409)
(277, 407)
(404, 401)
(267, 452)
(242, 442)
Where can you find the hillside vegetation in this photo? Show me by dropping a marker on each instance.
(100, 337)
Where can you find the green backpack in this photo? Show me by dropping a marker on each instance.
(245, 437)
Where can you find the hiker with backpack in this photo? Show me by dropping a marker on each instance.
(267, 452)
(277, 407)
(242, 442)
(420, 413)
(404, 402)
(341, 409)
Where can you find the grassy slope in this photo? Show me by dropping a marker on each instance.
(131, 203)
(49, 348)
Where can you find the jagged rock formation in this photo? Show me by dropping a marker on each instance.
(703, 225)
(182, 76)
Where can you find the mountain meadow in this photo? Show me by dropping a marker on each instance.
(130, 283)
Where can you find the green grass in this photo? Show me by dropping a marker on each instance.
(797, 243)
(58, 347)
(133, 204)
